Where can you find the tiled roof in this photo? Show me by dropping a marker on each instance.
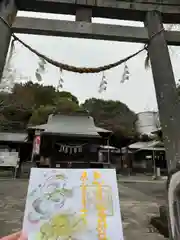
(151, 145)
(71, 125)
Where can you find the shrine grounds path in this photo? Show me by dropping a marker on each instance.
(139, 201)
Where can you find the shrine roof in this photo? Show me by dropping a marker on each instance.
(71, 125)
(150, 145)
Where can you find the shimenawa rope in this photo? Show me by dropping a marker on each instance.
(75, 69)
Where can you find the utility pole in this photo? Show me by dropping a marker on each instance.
(8, 11)
(167, 99)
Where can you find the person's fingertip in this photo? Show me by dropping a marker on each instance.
(12, 236)
(23, 236)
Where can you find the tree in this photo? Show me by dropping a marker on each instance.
(63, 105)
(33, 94)
(32, 103)
(112, 115)
(40, 115)
(66, 95)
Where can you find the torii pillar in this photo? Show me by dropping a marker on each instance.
(165, 87)
(8, 11)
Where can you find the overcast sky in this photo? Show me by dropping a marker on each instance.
(138, 93)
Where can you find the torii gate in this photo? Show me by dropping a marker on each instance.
(151, 12)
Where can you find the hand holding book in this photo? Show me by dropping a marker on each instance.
(15, 236)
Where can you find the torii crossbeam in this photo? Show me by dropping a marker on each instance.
(75, 29)
(121, 9)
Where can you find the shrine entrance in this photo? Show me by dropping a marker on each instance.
(153, 13)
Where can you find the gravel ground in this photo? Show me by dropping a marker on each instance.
(139, 201)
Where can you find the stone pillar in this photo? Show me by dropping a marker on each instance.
(8, 11)
(167, 97)
(165, 87)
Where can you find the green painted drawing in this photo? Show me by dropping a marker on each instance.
(62, 226)
(106, 195)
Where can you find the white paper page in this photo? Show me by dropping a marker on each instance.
(77, 204)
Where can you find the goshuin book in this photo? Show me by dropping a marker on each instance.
(76, 204)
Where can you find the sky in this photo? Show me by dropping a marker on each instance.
(137, 93)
